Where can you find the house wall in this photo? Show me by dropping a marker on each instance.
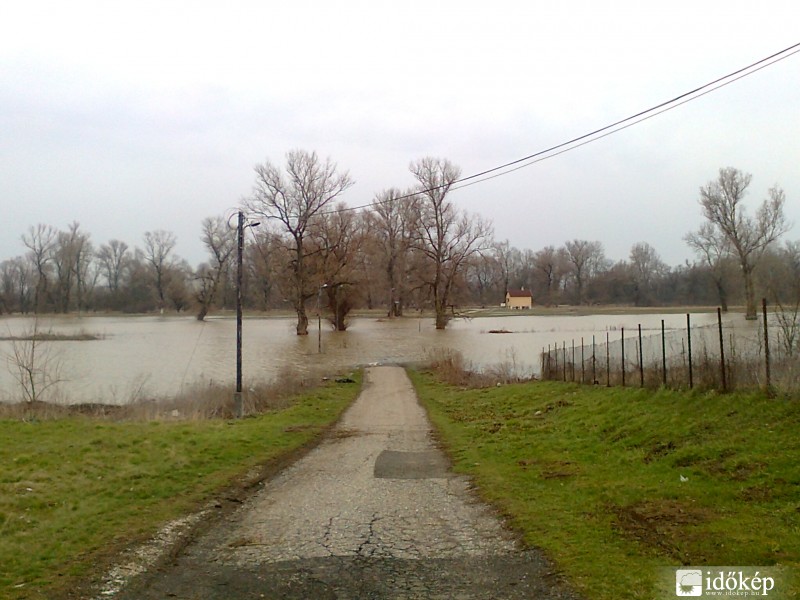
(518, 302)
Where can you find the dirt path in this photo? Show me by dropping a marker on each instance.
(373, 512)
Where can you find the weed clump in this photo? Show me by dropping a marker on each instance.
(450, 366)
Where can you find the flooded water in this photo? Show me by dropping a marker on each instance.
(141, 357)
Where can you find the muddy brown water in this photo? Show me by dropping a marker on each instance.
(159, 356)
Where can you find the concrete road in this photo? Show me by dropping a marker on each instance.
(373, 512)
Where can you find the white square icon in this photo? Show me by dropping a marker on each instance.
(688, 582)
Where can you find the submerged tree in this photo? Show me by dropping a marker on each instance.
(72, 257)
(158, 246)
(220, 241)
(390, 222)
(294, 198)
(721, 201)
(714, 249)
(337, 238)
(445, 237)
(40, 242)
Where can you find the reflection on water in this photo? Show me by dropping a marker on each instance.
(160, 356)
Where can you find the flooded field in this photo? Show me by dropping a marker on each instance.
(152, 356)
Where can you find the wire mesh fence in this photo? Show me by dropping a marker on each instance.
(762, 354)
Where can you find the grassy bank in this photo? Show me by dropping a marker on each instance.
(615, 483)
(74, 491)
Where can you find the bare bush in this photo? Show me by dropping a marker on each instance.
(34, 365)
(215, 401)
(450, 367)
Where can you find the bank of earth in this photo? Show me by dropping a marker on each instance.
(614, 484)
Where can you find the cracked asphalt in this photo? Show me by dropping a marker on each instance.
(373, 512)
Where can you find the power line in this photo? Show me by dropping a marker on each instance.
(607, 130)
(536, 158)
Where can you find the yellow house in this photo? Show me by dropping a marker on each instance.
(519, 299)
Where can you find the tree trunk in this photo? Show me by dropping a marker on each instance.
(300, 280)
(441, 318)
(750, 294)
(302, 321)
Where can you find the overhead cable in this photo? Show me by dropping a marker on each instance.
(600, 133)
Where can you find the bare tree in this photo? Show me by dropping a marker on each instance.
(646, 267)
(158, 246)
(584, 258)
(16, 281)
(138, 287)
(113, 258)
(714, 249)
(488, 277)
(33, 363)
(390, 223)
(86, 272)
(549, 263)
(220, 241)
(178, 277)
(263, 262)
(338, 237)
(783, 283)
(294, 199)
(444, 236)
(40, 241)
(721, 201)
(509, 260)
(71, 257)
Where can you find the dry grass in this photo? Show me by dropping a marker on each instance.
(198, 402)
(452, 368)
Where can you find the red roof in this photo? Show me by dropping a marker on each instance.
(519, 293)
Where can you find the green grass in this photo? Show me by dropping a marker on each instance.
(593, 476)
(74, 491)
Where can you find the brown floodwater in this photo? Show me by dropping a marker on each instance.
(157, 356)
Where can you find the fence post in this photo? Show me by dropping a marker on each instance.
(641, 359)
(564, 357)
(608, 362)
(583, 364)
(689, 346)
(663, 356)
(721, 350)
(573, 360)
(770, 391)
(594, 363)
(623, 356)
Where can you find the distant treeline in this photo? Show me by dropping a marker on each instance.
(409, 249)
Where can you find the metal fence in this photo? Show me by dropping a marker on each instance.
(763, 355)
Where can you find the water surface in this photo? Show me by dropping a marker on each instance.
(155, 356)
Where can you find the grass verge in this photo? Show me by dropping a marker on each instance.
(75, 491)
(614, 483)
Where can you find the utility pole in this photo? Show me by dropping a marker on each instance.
(237, 396)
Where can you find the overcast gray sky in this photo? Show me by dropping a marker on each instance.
(134, 116)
